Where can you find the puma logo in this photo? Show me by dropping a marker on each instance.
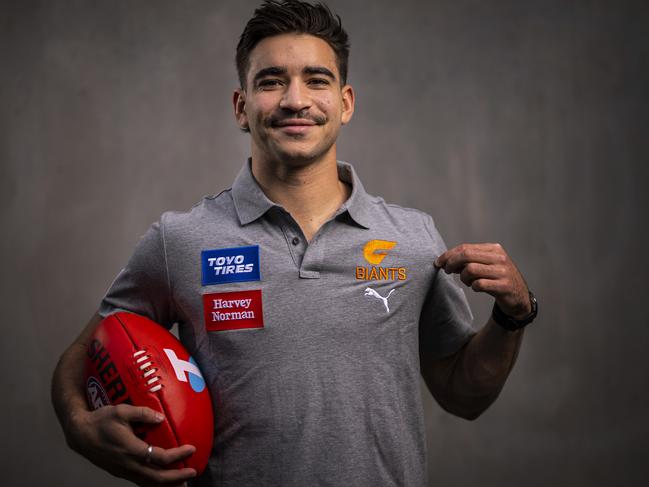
(371, 292)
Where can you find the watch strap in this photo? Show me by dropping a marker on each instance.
(511, 324)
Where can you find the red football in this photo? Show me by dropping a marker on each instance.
(135, 361)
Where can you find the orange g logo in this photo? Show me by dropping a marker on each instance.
(376, 250)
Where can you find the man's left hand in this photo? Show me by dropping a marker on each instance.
(487, 268)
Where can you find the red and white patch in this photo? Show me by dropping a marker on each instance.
(233, 311)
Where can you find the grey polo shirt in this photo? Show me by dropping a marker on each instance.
(310, 349)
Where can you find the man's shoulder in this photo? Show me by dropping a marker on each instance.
(397, 214)
(414, 225)
(211, 208)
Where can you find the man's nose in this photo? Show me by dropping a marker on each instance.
(296, 97)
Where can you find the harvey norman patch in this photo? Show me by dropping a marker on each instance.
(236, 264)
(233, 311)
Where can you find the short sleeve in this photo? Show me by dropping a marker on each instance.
(446, 320)
(142, 286)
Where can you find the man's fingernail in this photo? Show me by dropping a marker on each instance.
(159, 417)
(436, 263)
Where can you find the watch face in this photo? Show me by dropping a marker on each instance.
(533, 313)
(535, 304)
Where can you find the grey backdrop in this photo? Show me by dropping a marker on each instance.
(522, 122)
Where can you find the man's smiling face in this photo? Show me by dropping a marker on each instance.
(293, 104)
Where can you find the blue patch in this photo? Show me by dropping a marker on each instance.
(236, 264)
(196, 382)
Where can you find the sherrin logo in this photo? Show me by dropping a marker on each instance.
(235, 264)
(375, 251)
(110, 388)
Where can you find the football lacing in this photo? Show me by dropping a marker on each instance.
(144, 363)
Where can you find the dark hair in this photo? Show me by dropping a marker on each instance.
(288, 17)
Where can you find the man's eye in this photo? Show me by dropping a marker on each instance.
(319, 81)
(269, 83)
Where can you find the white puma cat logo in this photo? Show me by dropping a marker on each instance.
(371, 292)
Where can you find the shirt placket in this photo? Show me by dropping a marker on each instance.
(307, 256)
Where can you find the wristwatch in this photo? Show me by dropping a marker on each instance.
(509, 323)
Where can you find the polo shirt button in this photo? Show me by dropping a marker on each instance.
(295, 241)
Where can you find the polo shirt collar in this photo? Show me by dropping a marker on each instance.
(358, 203)
(251, 202)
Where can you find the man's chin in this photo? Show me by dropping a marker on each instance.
(300, 158)
(294, 152)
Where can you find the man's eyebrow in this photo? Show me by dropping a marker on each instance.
(319, 70)
(270, 71)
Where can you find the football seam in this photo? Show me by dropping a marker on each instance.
(162, 405)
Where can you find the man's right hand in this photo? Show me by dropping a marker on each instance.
(105, 436)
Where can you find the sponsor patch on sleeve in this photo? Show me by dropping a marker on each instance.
(233, 311)
(235, 264)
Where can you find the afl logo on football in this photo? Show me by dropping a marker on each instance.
(96, 395)
(181, 367)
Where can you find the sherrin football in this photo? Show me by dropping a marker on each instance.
(133, 360)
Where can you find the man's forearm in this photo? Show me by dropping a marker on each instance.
(481, 370)
(67, 395)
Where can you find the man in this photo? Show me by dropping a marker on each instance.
(353, 297)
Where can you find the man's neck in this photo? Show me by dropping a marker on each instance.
(310, 193)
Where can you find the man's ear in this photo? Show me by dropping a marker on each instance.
(349, 98)
(239, 105)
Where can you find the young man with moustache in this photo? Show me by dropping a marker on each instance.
(355, 297)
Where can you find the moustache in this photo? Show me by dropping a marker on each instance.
(279, 119)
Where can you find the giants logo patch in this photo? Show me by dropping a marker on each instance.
(375, 251)
(233, 311)
(236, 264)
